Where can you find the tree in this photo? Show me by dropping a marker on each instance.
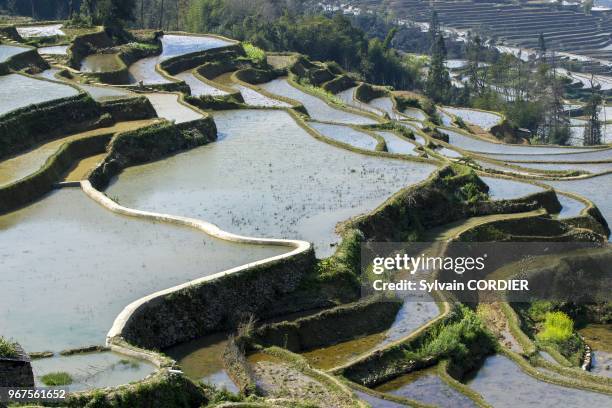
(434, 28)
(477, 76)
(587, 6)
(438, 84)
(542, 45)
(592, 131)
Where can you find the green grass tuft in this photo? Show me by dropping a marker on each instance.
(56, 379)
(558, 327)
(7, 348)
(254, 53)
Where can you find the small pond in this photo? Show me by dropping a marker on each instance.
(18, 91)
(317, 108)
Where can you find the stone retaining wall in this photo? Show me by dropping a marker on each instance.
(192, 60)
(17, 371)
(33, 124)
(152, 143)
(331, 326)
(36, 185)
(212, 303)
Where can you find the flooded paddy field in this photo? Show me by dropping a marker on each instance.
(506, 189)
(348, 97)
(199, 88)
(101, 63)
(273, 192)
(415, 114)
(317, 108)
(254, 98)
(597, 189)
(485, 120)
(93, 370)
(202, 360)
(27, 163)
(593, 168)
(594, 155)
(18, 91)
(385, 104)
(251, 96)
(427, 387)
(502, 384)
(345, 134)
(475, 144)
(40, 31)
(599, 338)
(172, 46)
(102, 93)
(54, 50)
(396, 144)
(570, 206)
(8, 51)
(167, 106)
(73, 275)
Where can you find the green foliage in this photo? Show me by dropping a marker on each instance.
(7, 348)
(558, 327)
(56, 379)
(438, 85)
(254, 53)
(460, 122)
(473, 193)
(277, 26)
(456, 339)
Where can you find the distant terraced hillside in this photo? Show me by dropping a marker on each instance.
(565, 29)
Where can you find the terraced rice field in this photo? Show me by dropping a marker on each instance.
(189, 184)
(317, 108)
(268, 175)
(40, 31)
(18, 91)
(502, 384)
(173, 45)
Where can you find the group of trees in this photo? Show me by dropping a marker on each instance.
(290, 25)
(530, 93)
